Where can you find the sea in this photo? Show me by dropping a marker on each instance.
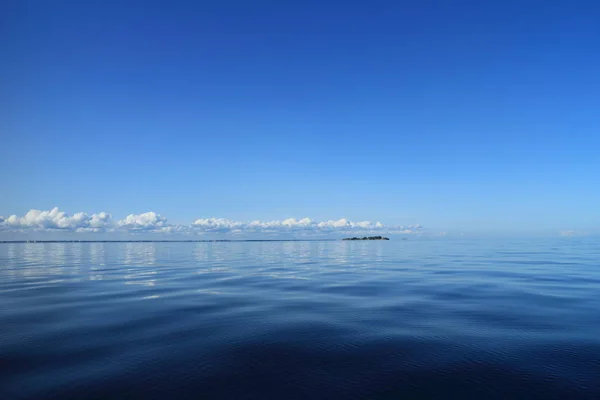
(437, 318)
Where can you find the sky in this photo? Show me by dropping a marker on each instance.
(422, 116)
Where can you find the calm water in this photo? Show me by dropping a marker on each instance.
(316, 320)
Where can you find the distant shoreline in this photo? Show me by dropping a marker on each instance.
(168, 241)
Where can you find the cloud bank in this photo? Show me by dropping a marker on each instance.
(149, 222)
(57, 220)
(220, 224)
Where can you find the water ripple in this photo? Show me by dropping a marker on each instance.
(398, 319)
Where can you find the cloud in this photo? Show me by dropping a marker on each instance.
(151, 222)
(57, 220)
(216, 224)
(298, 225)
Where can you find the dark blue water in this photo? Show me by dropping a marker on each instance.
(301, 320)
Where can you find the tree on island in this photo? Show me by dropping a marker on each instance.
(367, 238)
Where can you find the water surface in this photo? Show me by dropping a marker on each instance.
(366, 320)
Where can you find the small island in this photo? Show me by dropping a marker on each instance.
(367, 238)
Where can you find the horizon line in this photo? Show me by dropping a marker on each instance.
(169, 241)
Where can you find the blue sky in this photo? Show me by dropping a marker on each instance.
(457, 115)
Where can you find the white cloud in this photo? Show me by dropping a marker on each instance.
(216, 224)
(149, 221)
(56, 220)
(100, 220)
(345, 224)
(298, 225)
